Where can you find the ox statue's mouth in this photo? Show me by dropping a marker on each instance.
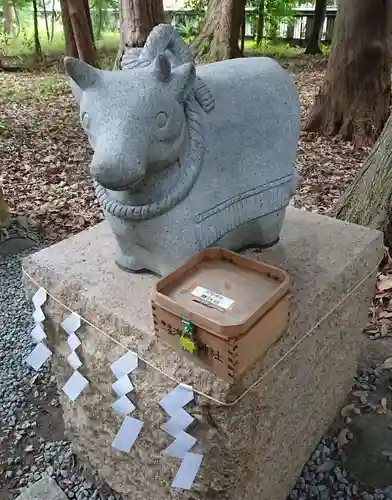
(131, 187)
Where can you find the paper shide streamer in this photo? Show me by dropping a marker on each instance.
(130, 427)
(40, 354)
(77, 382)
(172, 403)
(176, 426)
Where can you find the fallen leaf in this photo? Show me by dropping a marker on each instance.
(347, 410)
(384, 314)
(34, 378)
(342, 438)
(387, 364)
(384, 403)
(326, 466)
(360, 394)
(384, 330)
(385, 284)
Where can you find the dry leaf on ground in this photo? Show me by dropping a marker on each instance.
(342, 438)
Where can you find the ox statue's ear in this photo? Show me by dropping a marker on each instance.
(82, 75)
(183, 79)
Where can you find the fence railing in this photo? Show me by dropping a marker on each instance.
(295, 31)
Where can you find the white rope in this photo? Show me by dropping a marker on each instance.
(199, 393)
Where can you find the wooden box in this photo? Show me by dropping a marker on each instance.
(238, 307)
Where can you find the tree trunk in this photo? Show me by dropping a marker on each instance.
(243, 29)
(7, 16)
(138, 18)
(260, 22)
(353, 102)
(368, 200)
(89, 20)
(69, 37)
(53, 19)
(84, 42)
(100, 20)
(318, 21)
(46, 19)
(5, 218)
(219, 36)
(37, 44)
(16, 19)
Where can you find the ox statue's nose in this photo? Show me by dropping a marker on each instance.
(116, 172)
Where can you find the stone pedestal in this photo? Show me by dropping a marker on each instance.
(256, 448)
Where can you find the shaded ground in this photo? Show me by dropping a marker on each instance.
(45, 155)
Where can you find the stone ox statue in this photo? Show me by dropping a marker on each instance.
(184, 161)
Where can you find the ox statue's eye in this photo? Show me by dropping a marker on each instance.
(161, 119)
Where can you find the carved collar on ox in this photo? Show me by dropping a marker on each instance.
(190, 166)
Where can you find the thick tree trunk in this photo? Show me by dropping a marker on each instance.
(7, 16)
(368, 200)
(37, 44)
(260, 22)
(219, 36)
(353, 102)
(318, 21)
(138, 18)
(70, 42)
(84, 42)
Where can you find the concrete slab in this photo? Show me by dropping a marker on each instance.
(255, 448)
(44, 489)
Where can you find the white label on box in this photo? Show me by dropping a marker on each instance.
(213, 298)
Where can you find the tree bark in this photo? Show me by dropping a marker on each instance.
(354, 100)
(7, 16)
(138, 18)
(83, 39)
(69, 37)
(46, 19)
(243, 29)
(89, 20)
(368, 200)
(37, 44)
(260, 22)
(53, 19)
(219, 36)
(5, 218)
(313, 46)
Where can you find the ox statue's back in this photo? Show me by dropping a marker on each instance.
(183, 161)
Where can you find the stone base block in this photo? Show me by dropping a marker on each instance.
(256, 447)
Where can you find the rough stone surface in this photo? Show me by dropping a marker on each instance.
(255, 448)
(188, 162)
(44, 489)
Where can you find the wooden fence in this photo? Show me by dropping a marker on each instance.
(295, 32)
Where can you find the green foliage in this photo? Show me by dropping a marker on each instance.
(274, 12)
(188, 30)
(196, 5)
(279, 51)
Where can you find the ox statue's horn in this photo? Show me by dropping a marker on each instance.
(162, 68)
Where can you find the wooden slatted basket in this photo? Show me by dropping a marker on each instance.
(223, 307)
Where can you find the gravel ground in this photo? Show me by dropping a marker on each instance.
(31, 428)
(32, 439)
